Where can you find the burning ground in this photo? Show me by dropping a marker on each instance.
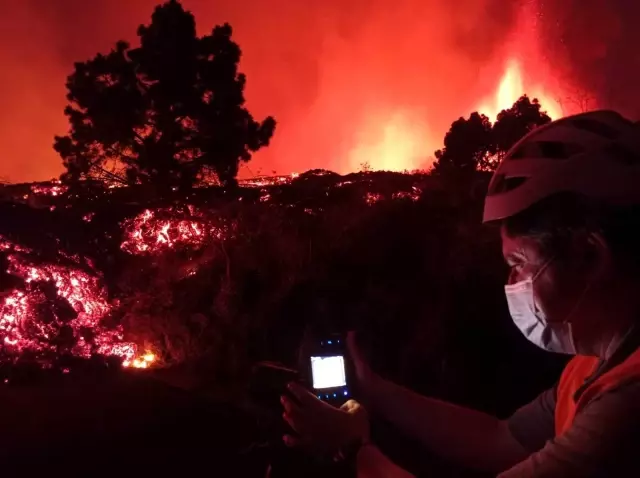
(56, 301)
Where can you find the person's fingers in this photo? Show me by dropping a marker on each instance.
(346, 406)
(350, 406)
(304, 396)
(291, 441)
(296, 425)
(352, 346)
(288, 404)
(293, 415)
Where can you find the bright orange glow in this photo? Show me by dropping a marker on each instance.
(145, 361)
(393, 144)
(523, 53)
(511, 87)
(405, 139)
(350, 83)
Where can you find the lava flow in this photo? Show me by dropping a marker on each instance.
(57, 309)
(156, 231)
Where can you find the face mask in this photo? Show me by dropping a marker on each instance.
(531, 320)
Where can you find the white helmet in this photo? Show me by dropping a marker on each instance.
(595, 154)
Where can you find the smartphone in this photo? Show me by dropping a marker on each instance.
(329, 369)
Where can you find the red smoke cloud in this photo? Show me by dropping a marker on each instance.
(349, 82)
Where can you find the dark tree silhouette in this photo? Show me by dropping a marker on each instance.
(169, 113)
(466, 143)
(475, 144)
(514, 123)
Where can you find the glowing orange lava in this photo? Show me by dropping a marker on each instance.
(54, 188)
(156, 231)
(59, 301)
(145, 361)
(33, 317)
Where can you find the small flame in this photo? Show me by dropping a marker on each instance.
(144, 361)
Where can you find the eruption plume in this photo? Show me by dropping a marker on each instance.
(351, 83)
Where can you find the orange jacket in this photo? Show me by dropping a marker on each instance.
(579, 369)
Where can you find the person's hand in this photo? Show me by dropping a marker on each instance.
(364, 375)
(323, 429)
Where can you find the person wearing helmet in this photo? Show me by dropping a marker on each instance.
(567, 199)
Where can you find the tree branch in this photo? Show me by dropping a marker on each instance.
(113, 176)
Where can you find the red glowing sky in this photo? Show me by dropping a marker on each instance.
(348, 81)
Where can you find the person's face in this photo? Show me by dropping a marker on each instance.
(559, 282)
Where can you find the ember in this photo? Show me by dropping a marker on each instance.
(343, 184)
(414, 194)
(54, 188)
(372, 198)
(262, 181)
(265, 197)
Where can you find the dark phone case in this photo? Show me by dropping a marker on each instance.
(269, 382)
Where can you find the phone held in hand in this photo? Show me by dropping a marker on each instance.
(324, 370)
(328, 369)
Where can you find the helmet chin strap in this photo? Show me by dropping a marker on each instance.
(572, 312)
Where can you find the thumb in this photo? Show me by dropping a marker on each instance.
(349, 406)
(354, 350)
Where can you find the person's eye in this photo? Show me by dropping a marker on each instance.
(515, 269)
(515, 266)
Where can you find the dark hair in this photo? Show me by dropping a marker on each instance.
(553, 222)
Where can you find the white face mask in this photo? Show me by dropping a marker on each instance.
(531, 320)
